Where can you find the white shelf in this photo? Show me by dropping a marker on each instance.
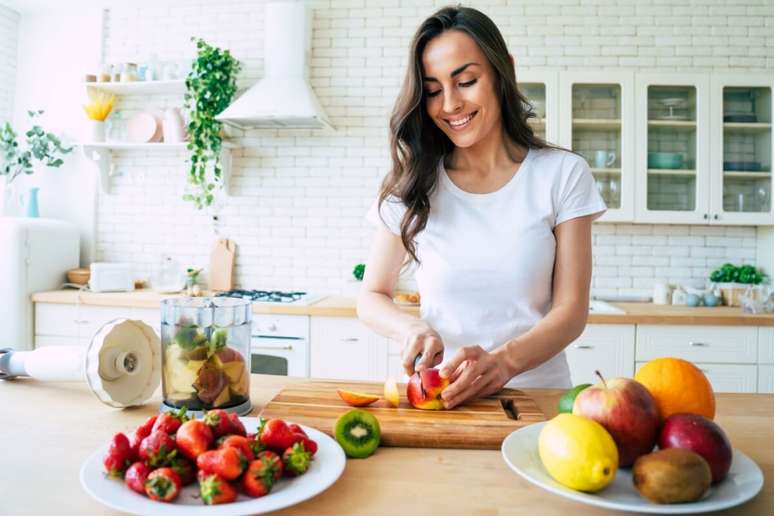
(140, 87)
(610, 171)
(596, 123)
(671, 172)
(745, 175)
(673, 124)
(752, 127)
(129, 146)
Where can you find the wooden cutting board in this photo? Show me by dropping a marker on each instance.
(480, 424)
(221, 269)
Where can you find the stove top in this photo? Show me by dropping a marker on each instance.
(273, 296)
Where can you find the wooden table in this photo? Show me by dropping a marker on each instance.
(48, 430)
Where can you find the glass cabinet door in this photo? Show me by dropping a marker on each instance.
(540, 89)
(536, 96)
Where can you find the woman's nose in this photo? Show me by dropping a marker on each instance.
(451, 101)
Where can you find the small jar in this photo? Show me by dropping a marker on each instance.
(104, 73)
(129, 72)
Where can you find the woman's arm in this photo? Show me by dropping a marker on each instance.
(377, 310)
(475, 372)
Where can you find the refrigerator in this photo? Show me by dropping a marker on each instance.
(34, 256)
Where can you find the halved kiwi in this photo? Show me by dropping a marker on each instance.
(358, 433)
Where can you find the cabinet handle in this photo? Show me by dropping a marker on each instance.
(285, 347)
(351, 339)
(583, 346)
(698, 344)
(716, 216)
(80, 321)
(706, 216)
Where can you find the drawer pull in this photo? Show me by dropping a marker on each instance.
(351, 339)
(583, 346)
(285, 347)
(81, 321)
(698, 344)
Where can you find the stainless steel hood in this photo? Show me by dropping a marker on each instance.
(283, 98)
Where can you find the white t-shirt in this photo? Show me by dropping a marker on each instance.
(487, 259)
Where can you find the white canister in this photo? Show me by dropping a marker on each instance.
(96, 131)
(173, 125)
(679, 296)
(661, 293)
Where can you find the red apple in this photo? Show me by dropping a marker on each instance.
(627, 410)
(701, 435)
(424, 389)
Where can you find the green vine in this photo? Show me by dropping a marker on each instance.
(210, 87)
(41, 146)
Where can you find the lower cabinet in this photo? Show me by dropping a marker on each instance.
(766, 379)
(607, 348)
(343, 348)
(62, 324)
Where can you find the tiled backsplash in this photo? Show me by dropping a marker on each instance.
(299, 197)
(9, 33)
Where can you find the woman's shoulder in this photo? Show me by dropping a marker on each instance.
(558, 159)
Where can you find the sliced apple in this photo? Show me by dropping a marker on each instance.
(391, 394)
(356, 399)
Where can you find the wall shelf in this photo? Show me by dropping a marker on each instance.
(609, 171)
(747, 175)
(671, 172)
(176, 86)
(101, 153)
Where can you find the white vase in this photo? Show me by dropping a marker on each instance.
(174, 127)
(10, 202)
(96, 131)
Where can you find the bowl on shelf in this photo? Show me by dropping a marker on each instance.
(670, 160)
(738, 166)
(740, 117)
(78, 276)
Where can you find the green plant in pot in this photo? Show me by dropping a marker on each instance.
(210, 87)
(733, 281)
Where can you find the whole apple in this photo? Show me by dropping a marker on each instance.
(627, 410)
(424, 389)
(701, 435)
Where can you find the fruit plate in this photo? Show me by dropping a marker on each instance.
(520, 452)
(326, 468)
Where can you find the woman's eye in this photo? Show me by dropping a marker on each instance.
(432, 93)
(469, 83)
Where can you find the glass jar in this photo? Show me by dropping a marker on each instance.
(205, 346)
(129, 72)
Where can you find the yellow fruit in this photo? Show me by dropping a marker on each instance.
(578, 452)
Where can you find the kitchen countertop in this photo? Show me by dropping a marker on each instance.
(49, 429)
(340, 306)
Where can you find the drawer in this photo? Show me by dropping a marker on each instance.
(707, 344)
(766, 379)
(728, 377)
(607, 348)
(150, 316)
(91, 318)
(56, 340)
(272, 325)
(395, 369)
(765, 345)
(53, 319)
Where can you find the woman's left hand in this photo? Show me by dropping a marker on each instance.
(473, 372)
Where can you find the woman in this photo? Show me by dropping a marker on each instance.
(497, 221)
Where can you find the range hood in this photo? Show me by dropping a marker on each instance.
(283, 98)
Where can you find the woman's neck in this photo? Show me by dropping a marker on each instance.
(489, 155)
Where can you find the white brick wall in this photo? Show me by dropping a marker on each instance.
(9, 34)
(299, 197)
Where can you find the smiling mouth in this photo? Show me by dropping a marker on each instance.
(461, 124)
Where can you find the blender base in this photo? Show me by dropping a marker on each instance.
(242, 409)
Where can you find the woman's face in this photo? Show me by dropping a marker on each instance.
(459, 88)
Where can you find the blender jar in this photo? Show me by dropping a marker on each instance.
(206, 354)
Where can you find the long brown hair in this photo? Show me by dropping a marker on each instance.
(417, 145)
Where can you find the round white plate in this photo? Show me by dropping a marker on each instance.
(326, 468)
(520, 451)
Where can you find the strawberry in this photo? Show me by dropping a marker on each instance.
(136, 476)
(220, 422)
(310, 445)
(240, 443)
(259, 478)
(296, 429)
(119, 456)
(185, 469)
(158, 449)
(169, 422)
(226, 462)
(296, 460)
(277, 436)
(236, 423)
(193, 438)
(163, 485)
(274, 461)
(143, 431)
(214, 489)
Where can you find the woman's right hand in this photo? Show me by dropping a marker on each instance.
(421, 338)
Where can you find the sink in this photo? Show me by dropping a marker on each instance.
(601, 307)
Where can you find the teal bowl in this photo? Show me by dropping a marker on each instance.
(665, 160)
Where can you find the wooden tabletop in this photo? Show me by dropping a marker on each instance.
(49, 429)
(342, 306)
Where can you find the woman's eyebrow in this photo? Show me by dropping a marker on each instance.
(456, 71)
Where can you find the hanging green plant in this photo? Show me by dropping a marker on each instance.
(210, 87)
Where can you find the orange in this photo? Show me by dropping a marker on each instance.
(678, 386)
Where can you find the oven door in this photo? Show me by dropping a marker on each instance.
(285, 356)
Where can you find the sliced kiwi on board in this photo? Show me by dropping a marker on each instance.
(358, 433)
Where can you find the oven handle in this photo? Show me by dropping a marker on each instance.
(278, 347)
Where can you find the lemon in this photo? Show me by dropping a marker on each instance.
(578, 452)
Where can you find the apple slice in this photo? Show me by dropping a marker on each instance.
(391, 394)
(356, 399)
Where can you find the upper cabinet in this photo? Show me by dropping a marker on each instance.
(741, 138)
(597, 121)
(541, 90)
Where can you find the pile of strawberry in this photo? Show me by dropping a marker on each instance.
(171, 450)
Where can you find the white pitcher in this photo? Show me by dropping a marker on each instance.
(174, 127)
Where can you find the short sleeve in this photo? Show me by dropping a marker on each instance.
(389, 214)
(578, 194)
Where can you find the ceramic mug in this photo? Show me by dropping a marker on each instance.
(603, 158)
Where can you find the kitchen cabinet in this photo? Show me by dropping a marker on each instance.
(540, 87)
(699, 344)
(607, 348)
(597, 121)
(343, 348)
(727, 377)
(742, 144)
(62, 324)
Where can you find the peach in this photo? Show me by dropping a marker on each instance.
(424, 389)
(391, 394)
(356, 399)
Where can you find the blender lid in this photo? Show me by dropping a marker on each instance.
(123, 363)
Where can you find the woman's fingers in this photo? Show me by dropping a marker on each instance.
(471, 353)
(432, 353)
(411, 349)
(481, 386)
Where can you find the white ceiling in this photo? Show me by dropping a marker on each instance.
(38, 6)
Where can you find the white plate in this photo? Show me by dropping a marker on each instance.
(520, 451)
(326, 468)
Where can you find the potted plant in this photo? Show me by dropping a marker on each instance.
(733, 281)
(210, 87)
(17, 159)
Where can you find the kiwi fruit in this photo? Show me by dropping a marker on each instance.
(673, 475)
(358, 433)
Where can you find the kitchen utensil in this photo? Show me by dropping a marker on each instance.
(520, 453)
(121, 364)
(603, 158)
(662, 293)
(325, 469)
(141, 127)
(79, 276)
(206, 353)
(671, 104)
(168, 276)
(479, 424)
(667, 160)
(111, 277)
(222, 265)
